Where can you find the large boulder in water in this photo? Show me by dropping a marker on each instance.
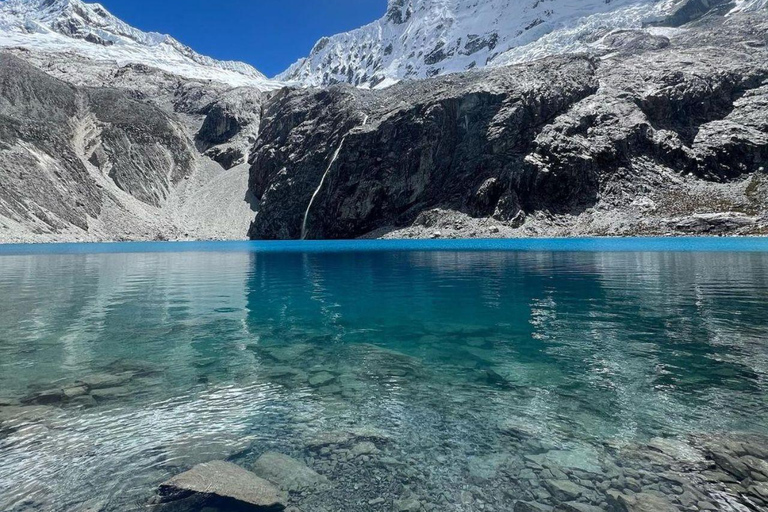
(221, 482)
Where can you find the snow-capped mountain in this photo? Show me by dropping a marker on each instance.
(422, 38)
(90, 30)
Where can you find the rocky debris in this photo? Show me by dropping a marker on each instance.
(740, 468)
(287, 473)
(53, 131)
(713, 223)
(487, 467)
(87, 390)
(659, 139)
(408, 505)
(364, 448)
(575, 506)
(112, 156)
(213, 482)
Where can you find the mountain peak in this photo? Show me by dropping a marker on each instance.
(421, 38)
(90, 29)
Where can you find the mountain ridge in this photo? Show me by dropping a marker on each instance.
(91, 30)
(418, 39)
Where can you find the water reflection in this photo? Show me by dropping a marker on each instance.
(224, 355)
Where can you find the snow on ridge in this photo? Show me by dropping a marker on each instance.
(421, 38)
(749, 5)
(90, 30)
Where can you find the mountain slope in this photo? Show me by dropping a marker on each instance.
(423, 38)
(653, 135)
(72, 26)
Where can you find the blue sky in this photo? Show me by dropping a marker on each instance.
(269, 34)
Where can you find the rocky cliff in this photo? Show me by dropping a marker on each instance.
(646, 134)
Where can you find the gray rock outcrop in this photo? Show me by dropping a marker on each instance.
(92, 151)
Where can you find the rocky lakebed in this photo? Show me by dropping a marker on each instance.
(447, 449)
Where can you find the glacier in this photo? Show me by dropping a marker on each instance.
(418, 39)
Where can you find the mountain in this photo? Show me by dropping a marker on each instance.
(110, 133)
(72, 26)
(655, 132)
(423, 38)
(609, 117)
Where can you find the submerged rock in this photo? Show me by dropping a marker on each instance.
(531, 506)
(408, 505)
(487, 467)
(575, 506)
(583, 458)
(106, 380)
(288, 354)
(287, 473)
(364, 448)
(321, 379)
(47, 397)
(12, 417)
(641, 502)
(111, 393)
(219, 480)
(564, 490)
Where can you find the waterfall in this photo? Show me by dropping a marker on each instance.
(322, 180)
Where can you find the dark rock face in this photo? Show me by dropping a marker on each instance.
(557, 137)
(231, 126)
(427, 144)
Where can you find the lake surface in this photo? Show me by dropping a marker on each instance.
(456, 375)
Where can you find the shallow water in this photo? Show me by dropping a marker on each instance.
(456, 365)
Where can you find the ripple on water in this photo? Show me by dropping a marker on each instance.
(453, 379)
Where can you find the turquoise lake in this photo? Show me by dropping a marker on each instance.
(464, 375)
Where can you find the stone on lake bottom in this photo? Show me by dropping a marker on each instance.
(531, 506)
(564, 490)
(227, 481)
(575, 506)
(642, 502)
(408, 505)
(48, 397)
(111, 393)
(321, 379)
(364, 448)
(106, 380)
(287, 473)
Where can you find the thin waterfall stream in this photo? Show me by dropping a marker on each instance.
(322, 180)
